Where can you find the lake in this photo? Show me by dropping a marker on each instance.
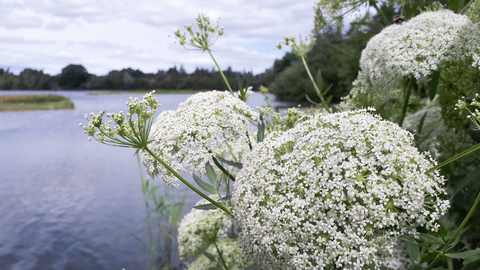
(66, 203)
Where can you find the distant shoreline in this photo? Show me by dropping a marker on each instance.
(10, 103)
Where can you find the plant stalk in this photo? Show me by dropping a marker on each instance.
(221, 72)
(227, 173)
(407, 98)
(152, 245)
(319, 93)
(220, 255)
(462, 154)
(170, 169)
(457, 232)
(379, 11)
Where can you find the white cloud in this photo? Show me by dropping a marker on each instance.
(103, 35)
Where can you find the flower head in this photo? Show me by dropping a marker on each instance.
(231, 255)
(200, 228)
(334, 191)
(130, 131)
(201, 39)
(417, 48)
(204, 125)
(300, 48)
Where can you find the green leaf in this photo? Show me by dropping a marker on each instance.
(179, 211)
(454, 243)
(144, 187)
(463, 255)
(433, 83)
(209, 256)
(227, 197)
(204, 185)
(471, 259)
(408, 238)
(231, 163)
(420, 124)
(329, 99)
(427, 238)
(207, 206)
(326, 90)
(319, 79)
(211, 174)
(412, 251)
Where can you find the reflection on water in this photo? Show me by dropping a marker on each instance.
(66, 203)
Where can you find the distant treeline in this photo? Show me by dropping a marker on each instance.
(76, 77)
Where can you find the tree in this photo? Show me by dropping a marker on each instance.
(73, 76)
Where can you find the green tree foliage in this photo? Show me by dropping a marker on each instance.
(76, 77)
(32, 79)
(73, 76)
(334, 53)
(7, 79)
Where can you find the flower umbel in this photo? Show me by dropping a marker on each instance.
(202, 126)
(335, 192)
(472, 116)
(300, 48)
(132, 131)
(201, 39)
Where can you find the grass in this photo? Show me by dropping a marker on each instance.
(144, 92)
(34, 102)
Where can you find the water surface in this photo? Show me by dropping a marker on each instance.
(66, 203)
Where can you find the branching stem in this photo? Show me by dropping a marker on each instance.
(170, 169)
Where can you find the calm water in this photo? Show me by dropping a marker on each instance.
(66, 203)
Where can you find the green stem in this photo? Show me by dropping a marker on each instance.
(152, 245)
(379, 11)
(457, 232)
(319, 93)
(170, 169)
(220, 254)
(221, 72)
(462, 154)
(228, 174)
(405, 104)
(462, 11)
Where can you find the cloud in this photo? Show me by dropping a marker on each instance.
(104, 35)
(55, 26)
(21, 40)
(98, 44)
(13, 21)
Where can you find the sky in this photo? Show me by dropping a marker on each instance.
(105, 35)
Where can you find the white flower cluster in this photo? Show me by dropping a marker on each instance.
(205, 123)
(442, 142)
(231, 254)
(334, 192)
(200, 228)
(416, 48)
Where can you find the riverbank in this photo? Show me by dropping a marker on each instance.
(34, 102)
